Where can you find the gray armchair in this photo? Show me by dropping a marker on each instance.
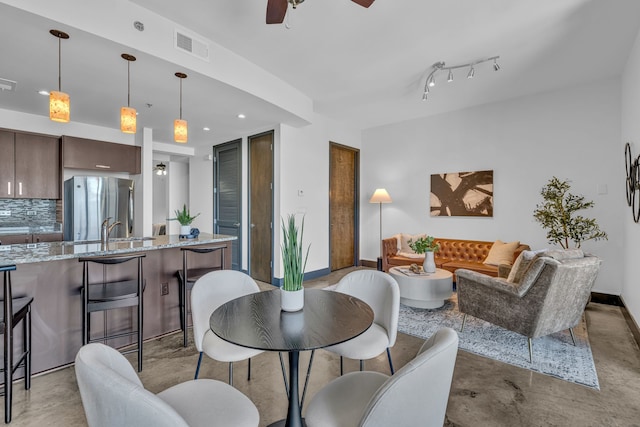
(547, 293)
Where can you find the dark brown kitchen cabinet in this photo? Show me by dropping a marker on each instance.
(29, 166)
(89, 154)
(16, 239)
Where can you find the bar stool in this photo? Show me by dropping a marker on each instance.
(105, 295)
(14, 310)
(189, 276)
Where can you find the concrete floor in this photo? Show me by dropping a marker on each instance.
(484, 392)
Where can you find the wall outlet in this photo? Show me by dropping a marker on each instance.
(164, 289)
(5, 213)
(31, 213)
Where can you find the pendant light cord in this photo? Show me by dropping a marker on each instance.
(181, 98)
(128, 83)
(59, 64)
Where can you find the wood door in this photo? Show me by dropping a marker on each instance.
(227, 197)
(7, 164)
(343, 205)
(261, 207)
(37, 166)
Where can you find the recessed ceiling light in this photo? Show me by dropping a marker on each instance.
(241, 116)
(43, 92)
(206, 128)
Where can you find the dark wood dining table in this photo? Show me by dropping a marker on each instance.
(256, 321)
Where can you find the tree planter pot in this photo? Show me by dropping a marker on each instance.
(291, 300)
(185, 230)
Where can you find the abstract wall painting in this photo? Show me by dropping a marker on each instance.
(462, 194)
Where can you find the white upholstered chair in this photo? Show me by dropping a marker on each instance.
(416, 395)
(210, 292)
(381, 292)
(113, 395)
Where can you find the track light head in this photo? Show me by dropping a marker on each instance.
(431, 81)
(450, 76)
(496, 66)
(472, 73)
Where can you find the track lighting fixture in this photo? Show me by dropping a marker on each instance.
(161, 169)
(440, 66)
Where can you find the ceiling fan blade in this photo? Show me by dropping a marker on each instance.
(363, 3)
(276, 10)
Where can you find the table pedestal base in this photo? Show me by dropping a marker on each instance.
(283, 423)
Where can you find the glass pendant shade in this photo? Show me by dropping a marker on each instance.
(128, 120)
(180, 131)
(59, 107)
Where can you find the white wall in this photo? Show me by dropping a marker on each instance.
(572, 133)
(178, 193)
(630, 133)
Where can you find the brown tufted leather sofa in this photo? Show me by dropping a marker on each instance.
(453, 254)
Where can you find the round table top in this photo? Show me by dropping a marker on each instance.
(439, 274)
(256, 321)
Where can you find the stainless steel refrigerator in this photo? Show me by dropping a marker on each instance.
(89, 200)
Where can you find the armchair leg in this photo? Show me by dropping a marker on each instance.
(464, 320)
(530, 351)
(231, 374)
(198, 367)
(390, 362)
(573, 337)
(361, 365)
(284, 374)
(341, 366)
(306, 381)
(249, 370)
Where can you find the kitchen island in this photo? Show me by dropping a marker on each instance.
(52, 275)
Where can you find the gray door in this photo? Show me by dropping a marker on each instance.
(227, 197)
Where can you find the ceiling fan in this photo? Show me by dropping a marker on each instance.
(277, 9)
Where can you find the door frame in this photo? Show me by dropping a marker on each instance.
(249, 207)
(356, 202)
(216, 149)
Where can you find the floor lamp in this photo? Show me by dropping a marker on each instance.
(380, 196)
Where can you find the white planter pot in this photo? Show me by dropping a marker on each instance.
(291, 300)
(429, 264)
(185, 230)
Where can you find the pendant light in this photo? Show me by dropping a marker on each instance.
(128, 114)
(59, 105)
(179, 125)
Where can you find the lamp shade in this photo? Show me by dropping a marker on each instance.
(128, 120)
(380, 196)
(59, 106)
(180, 131)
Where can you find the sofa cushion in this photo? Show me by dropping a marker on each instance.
(501, 253)
(487, 269)
(522, 263)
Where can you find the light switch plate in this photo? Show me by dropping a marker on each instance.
(5, 248)
(31, 213)
(5, 213)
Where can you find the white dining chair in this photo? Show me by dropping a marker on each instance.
(210, 292)
(381, 292)
(113, 396)
(416, 395)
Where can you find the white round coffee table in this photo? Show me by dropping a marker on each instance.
(424, 290)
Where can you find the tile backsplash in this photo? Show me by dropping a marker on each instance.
(27, 212)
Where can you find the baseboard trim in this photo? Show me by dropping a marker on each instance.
(608, 299)
(368, 263)
(633, 326)
(277, 281)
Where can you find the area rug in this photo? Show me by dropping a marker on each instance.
(553, 355)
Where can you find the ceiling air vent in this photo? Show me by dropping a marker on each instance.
(5, 84)
(191, 45)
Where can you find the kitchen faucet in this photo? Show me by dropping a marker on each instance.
(106, 230)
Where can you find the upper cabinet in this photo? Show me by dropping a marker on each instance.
(29, 166)
(89, 154)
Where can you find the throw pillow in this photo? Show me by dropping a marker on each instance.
(522, 263)
(404, 246)
(501, 253)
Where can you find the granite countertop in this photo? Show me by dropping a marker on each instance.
(42, 252)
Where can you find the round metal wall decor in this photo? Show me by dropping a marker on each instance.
(632, 167)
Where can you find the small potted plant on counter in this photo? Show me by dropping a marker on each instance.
(292, 292)
(185, 219)
(427, 246)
